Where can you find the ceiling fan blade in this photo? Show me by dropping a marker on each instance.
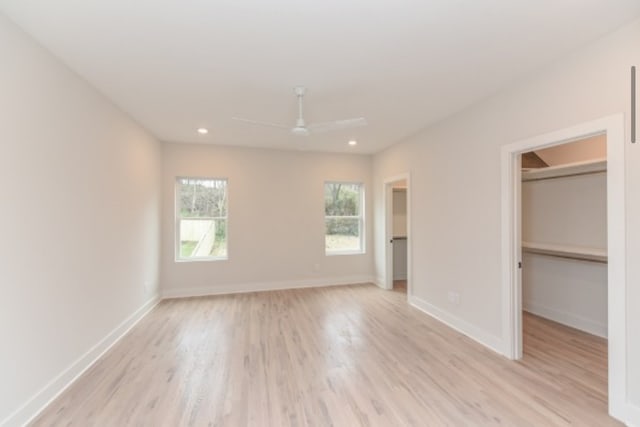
(259, 123)
(338, 125)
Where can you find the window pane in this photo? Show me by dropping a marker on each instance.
(342, 234)
(203, 238)
(341, 199)
(202, 197)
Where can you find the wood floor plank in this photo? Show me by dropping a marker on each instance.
(342, 356)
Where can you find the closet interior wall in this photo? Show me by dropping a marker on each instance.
(564, 226)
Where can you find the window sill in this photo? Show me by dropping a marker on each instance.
(338, 253)
(188, 260)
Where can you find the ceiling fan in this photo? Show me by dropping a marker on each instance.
(301, 128)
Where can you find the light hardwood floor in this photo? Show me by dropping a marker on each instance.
(400, 286)
(341, 356)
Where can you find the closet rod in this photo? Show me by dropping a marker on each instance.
(575, 257)
(568, 252)
(525, 179)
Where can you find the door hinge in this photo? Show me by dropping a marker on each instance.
(520, 264)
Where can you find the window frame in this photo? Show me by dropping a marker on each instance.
(178, 218)
(361, 220)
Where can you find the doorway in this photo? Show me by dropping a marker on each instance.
(397, 234)
(613, 128)
(564, 265)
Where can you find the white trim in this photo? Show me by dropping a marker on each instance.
(237, 288)
(340, 253)
(36, 404)
(387, 197)
(201, 259)
(613, 127)
(578, 322)
(566, 170)
(477, 334)
(632, 418)
(387, 192)
(511, 253)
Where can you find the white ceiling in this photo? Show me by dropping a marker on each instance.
(404, 64)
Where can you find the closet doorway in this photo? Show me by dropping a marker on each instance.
(397, 234)
(563, 249)
(564, 234)
(564, 264)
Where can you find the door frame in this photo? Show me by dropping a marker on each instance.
(613, 127)
(387, 191)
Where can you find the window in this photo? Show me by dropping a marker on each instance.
(343, 207)
(201, 219)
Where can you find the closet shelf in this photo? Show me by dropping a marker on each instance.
(565, 251)
(571, 169)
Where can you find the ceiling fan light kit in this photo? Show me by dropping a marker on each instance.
(300, 131)
(301, 128)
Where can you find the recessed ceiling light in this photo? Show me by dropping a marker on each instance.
(353, 142)
(203, 131)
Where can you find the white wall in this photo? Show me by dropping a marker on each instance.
(276, 219)
(569, 210)
(79, 185)
(456, 192)
(568, 291)
(399, 212)
(399, 259)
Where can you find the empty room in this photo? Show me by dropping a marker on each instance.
(336, 213)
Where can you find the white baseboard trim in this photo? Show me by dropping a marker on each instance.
(264, 286)
(569, 319)
(632, 418)
(400, 277)
(633, 415)
(32, 408)
(490, 341)
(379, 281)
